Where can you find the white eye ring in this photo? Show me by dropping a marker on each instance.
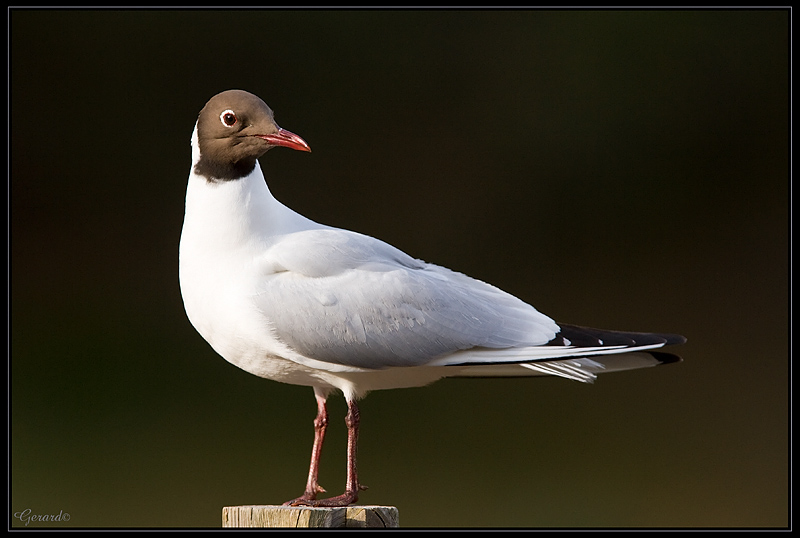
(226, 115)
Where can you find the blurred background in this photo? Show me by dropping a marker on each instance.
(617, 169)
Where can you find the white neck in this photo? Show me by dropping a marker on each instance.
(236, 212)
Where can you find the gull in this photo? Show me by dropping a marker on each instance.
(288, 299)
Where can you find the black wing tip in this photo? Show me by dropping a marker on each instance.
(587, 336)
(674, 339)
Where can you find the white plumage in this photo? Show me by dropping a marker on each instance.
(291, 300)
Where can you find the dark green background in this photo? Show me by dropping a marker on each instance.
(624, 170)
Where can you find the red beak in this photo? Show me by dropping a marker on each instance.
(286, 139)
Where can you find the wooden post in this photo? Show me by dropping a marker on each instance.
(310, 517)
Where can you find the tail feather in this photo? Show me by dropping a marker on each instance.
(583, 369)
(577, 353)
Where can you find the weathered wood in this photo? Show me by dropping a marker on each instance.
(310, 517)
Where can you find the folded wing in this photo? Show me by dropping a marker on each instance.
(350, 300)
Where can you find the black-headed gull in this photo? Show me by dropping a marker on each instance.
(291, 300)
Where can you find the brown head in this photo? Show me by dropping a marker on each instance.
(234, 129)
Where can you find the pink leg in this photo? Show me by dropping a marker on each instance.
(320, 425)
(352, 487)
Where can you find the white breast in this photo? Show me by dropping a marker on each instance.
(228, 225)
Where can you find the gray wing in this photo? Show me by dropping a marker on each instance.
(349, 299)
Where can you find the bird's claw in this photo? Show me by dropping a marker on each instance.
(345, 499)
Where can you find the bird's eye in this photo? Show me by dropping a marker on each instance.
(228, 118)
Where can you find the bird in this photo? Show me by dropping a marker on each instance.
(291, 300)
